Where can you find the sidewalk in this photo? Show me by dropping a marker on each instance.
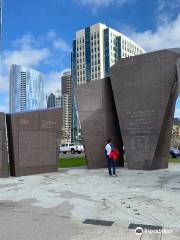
(53, 206)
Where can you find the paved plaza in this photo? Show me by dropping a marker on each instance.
(54, 206)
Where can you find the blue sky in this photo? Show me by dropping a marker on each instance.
(39, 33)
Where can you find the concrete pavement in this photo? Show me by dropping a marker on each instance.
(53, 206)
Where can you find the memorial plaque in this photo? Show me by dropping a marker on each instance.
(3, 147)
(99, 121)
(145, 89)
(34, 139)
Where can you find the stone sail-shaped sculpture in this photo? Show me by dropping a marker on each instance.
(145, 89)
(99, 121)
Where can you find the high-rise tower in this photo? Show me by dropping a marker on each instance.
(67, 104)
(95, 49)
(26, 89)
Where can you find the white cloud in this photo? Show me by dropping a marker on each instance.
(57, 42)
(102, 3)
(4, 107)
(165, 36)
(26, 40)
(97, 3)
(4, 83)
(177, 113)
(61, 45)
(33, 52)
(53, 82)
(167, 4)
(28, 57)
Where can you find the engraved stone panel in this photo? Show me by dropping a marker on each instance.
(99, 121)
(3, 147)
(145, 90)
(34, 139)
(1, 139)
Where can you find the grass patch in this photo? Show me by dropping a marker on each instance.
(72, 162)
(174, 160)
(81, 161)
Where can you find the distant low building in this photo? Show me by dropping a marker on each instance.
(51, 101)
(175, 140)
(54, 100)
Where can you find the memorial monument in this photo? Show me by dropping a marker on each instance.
(99, 121)
(34, 139)
(145, 88)
(3, 147)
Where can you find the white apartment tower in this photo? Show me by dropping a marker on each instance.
(95, 50)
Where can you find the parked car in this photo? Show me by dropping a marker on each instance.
(71, 147)
(174, 153)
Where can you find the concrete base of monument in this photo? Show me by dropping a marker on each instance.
(55, 205)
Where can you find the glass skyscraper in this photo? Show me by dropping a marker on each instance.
(26, 89)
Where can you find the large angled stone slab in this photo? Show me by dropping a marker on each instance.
(178, 72)
(99, 121)
(3, 147)
(34, 139)
(145, 89)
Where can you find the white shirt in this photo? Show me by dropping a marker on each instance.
(108, 149)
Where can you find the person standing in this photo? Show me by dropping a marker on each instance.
(110, 162)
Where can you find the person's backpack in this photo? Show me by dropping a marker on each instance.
(114, 154)
(105, 152)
